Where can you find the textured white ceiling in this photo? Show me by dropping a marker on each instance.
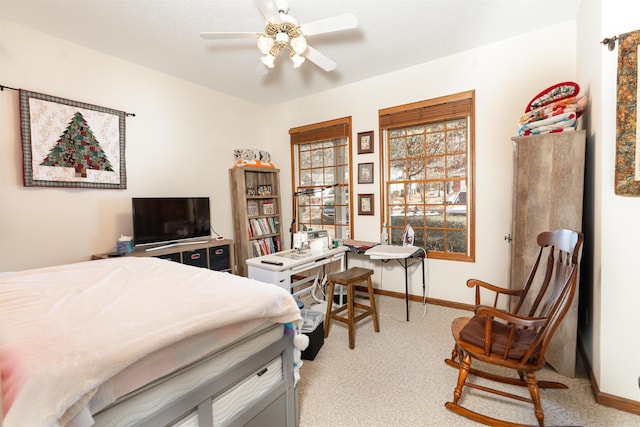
(391, 35)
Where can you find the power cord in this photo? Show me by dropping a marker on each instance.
(213, 230)
(424, 297)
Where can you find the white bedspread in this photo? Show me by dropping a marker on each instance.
(64, 330)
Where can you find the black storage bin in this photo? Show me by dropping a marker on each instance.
(316, 340)
(219, 258)
(171, 257)
(197, 258)
(313, 327)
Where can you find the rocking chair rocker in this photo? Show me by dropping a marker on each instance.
(518, 339)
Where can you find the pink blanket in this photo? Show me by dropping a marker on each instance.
(64, 330)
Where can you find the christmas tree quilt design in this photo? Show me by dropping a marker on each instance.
(78, 148)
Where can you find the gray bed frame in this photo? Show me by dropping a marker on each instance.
(278, 407)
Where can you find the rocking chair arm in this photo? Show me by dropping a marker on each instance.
(518, 321)
(478, 284)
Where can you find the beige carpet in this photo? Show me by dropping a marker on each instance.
(397, 377)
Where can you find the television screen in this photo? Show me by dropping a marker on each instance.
(168, 219)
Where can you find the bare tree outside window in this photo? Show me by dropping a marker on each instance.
(321, 172)
(428, 182)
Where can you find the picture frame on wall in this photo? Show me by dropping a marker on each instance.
(365, 204)
(365, 142)
(365, 173)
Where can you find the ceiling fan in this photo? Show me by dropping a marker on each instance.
(282, 32)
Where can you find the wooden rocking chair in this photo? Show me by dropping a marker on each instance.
(515, 340)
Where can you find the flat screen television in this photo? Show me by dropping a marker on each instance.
(170, 219)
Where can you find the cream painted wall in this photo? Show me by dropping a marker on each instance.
(505, 76)
(179, 144)
(616, 345)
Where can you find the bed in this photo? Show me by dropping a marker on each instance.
(149, 342)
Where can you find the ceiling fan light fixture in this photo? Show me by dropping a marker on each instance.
(298, 44)
(268, 60)
(265, 43)
(282, 38)
(297, 60)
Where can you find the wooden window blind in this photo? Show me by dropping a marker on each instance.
(447, 107)
(334, 129)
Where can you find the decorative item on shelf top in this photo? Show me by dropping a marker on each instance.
(555, 109)
(252, 157)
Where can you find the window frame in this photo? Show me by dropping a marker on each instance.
(330, 130)
(423, 112)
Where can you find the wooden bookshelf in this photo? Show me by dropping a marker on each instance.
(257, 218)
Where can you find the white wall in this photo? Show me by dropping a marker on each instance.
(612, 343)
(505, 76)
(179, 144)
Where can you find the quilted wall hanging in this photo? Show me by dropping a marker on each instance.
(71, 144)
(627, 176)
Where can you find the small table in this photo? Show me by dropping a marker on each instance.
(278, 268)
(402, 254)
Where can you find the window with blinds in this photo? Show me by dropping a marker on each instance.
(321, 167)
(428, 174)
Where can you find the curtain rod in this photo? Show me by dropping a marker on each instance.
(610, 42)
(3, 87)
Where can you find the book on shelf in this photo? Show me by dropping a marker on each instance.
(252, 208)
(268, 245)
(262, 226)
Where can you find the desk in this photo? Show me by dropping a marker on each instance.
(278, 268)
(402, 254)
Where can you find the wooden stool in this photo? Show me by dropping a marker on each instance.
(350, 278)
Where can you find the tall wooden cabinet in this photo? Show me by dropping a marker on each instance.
(548, 185)
(257, 218)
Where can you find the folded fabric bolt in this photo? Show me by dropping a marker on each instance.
(555, 109)
(574, 104)
(559, 123)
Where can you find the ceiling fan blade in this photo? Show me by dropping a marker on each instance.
(319, 59)
(337, 23)
(227, 36)
(269, 9)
